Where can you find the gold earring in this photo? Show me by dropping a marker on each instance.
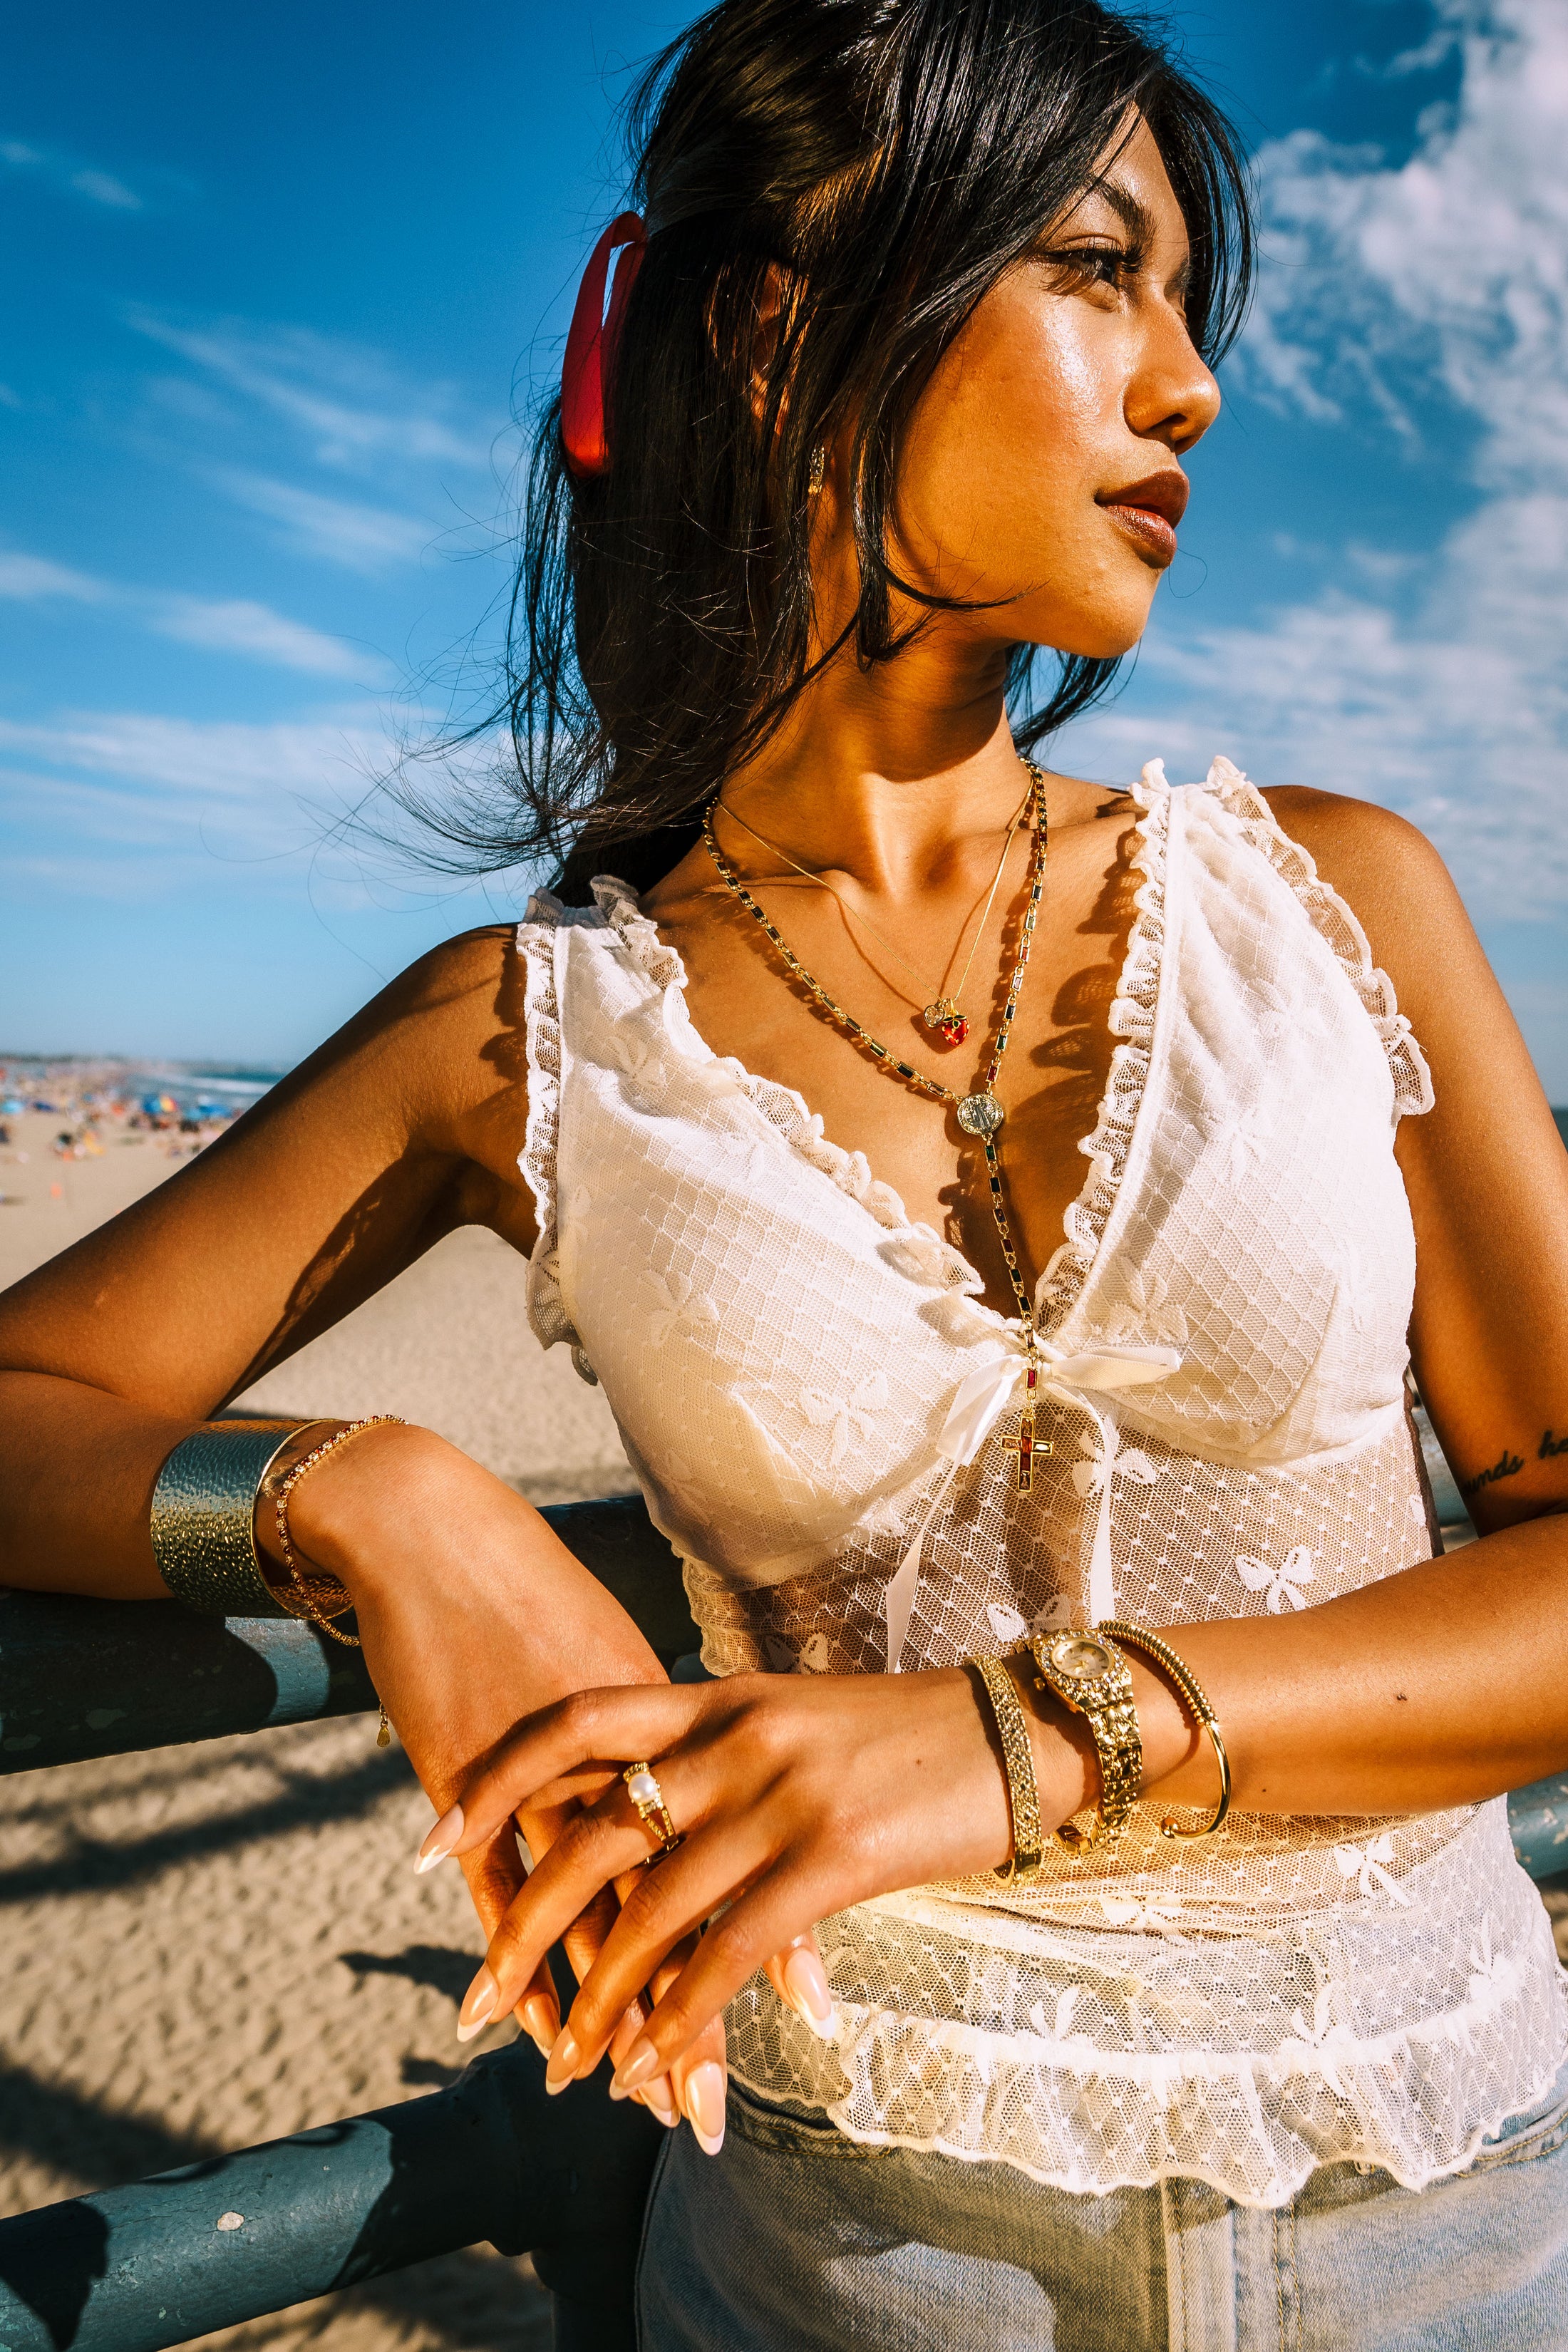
(818, 473)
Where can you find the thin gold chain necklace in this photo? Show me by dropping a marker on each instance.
(978, 1114)
(942, 1017)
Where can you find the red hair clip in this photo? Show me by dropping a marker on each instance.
(589, 365)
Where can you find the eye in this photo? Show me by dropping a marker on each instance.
(1077, 267)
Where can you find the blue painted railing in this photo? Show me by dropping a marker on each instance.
(231, 2239)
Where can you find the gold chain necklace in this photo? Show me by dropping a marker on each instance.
(978, 1114)
(942, 1017)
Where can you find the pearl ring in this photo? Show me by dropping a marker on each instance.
(649, 1798)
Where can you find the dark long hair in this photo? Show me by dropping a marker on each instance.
(893, 157)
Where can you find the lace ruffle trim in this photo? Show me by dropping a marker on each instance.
(1337, 925)
(542, 1024)
(1130, 1020)
(1054, 2104)
(923, 1253)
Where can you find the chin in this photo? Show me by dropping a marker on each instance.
(1103, 633)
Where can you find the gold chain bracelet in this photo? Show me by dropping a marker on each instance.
(315, 1594)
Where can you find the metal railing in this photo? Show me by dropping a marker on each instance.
(140, 2268)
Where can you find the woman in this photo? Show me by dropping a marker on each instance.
(893, 393)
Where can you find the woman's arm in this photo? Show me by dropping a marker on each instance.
(405, 1125)
(1438, 1687)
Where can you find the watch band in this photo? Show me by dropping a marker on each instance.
(1089, 1675)
(1137, 1638)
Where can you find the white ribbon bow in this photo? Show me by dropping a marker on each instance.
(978, 1403)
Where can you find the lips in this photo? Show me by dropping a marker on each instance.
(1149, 510)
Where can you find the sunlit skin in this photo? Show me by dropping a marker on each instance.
(1042, 470)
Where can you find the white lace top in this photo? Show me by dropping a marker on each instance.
(803, 1380)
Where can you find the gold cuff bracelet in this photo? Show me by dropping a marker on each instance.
(1018, 1760)
(1133, 1637)
(204, 1515)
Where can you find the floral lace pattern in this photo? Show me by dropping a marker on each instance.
(787, 1356)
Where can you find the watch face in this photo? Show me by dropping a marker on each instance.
(1078, 1659)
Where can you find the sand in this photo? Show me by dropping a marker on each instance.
(210, 1946)
(206, 1947)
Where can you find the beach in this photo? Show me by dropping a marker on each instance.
(214, 1945)
(219, 1944)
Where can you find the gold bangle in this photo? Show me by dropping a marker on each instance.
(203, 1515)
(1186, 1682)
(1018, 1760)
(315, 1593)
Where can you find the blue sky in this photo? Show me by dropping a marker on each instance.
(276, 282)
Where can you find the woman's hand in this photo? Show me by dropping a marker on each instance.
(472, 1613)
(794, 1797)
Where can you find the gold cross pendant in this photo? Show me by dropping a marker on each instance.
(1024, 1442)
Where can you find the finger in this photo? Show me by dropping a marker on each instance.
(595, 1849)
(732, 1949)
(591, 1728)
(669, 1900)
(700, 2076)
(797, 1975)
(495, 1876)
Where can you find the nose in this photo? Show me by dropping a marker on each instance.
(1173, 396)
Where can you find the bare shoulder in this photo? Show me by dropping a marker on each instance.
(452, 1029)
(1394, 882)
(406, 1122)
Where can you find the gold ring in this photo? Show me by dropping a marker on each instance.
(649, 1798)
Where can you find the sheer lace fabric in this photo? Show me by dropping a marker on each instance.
(783, 1348)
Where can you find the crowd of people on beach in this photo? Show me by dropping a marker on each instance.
(98, 1103)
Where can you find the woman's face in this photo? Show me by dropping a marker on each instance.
(1040, 466)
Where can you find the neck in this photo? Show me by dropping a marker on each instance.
(895, 778)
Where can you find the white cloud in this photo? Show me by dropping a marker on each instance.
(256, 632)
(1437, 290)
(82, 180)
(140, 779)
(360, 538)
(349, 402)
(29, 578)
(134, 805)
(103, 188)
(227, 625)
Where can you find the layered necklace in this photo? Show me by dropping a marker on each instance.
(979, 1113)
(942, 1017)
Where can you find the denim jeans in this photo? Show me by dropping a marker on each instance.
(796, 2239)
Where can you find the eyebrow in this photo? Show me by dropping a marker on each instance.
(1138, 221)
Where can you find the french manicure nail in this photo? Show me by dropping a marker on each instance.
(540, 2023)
(640, 2061)
(805, 1987)
(562, 2064)
(705, 2105)
(439, 1844)
(658, 2097)
(478, 2006)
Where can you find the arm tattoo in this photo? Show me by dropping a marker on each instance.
(1505, 1467)
(1508, 1466)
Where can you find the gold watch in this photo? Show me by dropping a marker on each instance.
(1089, 1675)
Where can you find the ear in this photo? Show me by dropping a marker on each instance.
(778, 299)
(778, 294)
